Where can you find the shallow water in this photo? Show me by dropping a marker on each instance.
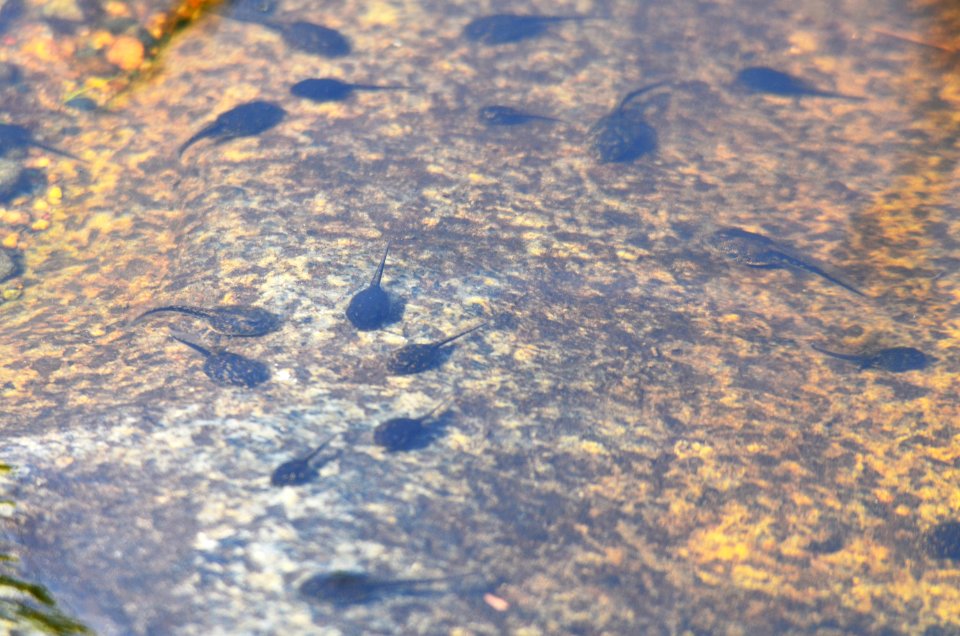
(641, 441)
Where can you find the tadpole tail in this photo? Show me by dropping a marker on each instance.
(206, 131)
(841, 356)
(813, 269)
(378, 275)
(461, 334)
(319, 448)
(439, 408)
(183, 309)
(188, 143)
(640, 91)
(435, 579)
(570, 18)
(57, 151)
(176, 335)
(382, 87)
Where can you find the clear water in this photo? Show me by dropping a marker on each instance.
(641, 440)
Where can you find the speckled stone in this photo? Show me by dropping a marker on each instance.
(7, 265)
(11, 178)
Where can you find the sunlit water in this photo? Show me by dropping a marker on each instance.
(641, 439)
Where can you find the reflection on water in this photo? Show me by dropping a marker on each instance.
(710, 247)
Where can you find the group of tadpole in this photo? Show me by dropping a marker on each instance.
(368, 310)
(621, 136)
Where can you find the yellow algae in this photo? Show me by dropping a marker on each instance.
(614, 555)
(593, 448)
(100, 39)
(40, 224)
(10, 240)
(944, 454)
(106, 222)
(529, 220)
(883, 496)
(752, 578)
(459, 440)
(803, 41)
(684, 449)
(476, 177)
(680, 508)
(42, 48)
(535, 249)
(525, 354)
(14, 217)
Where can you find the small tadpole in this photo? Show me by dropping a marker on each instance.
(408, 433)
(302, 470)
(623, 135)
(229, 369)
(758, 251)
(894, 359)
(497, 115)
(229, 320)
(419, 357)
(245, 120)
(763, 79)
(13, 136)
(505, 28)
(312, 38)
(328, 89)
(342, 588)
(369, 309)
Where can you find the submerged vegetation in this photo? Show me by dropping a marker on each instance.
(26, 606)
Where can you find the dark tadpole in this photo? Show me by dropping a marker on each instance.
(229, 320)
(328, 89)
(229, 369)
(624, 134)
(762, 79)
(302, 470)
(758, 251)
(369, 309)
(408, 433)
(13, 136)
(894, 359)
(245, 120)
(312, 38)
(342, 588)
(508, 116)
(504, 28)
(419, 357)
